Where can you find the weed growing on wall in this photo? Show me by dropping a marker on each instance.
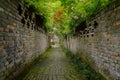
(84, 68)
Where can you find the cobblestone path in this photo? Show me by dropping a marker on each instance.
(56, 66)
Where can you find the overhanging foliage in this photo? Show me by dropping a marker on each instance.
(62, 16)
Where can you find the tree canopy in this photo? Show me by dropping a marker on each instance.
(64, 15)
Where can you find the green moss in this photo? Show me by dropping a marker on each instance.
(28, 66)
(83, 67)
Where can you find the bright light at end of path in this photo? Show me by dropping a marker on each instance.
(54, 29)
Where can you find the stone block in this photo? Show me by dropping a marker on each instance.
(3, 59)
(1, 29)
(2, 53)
(2, 67)
(11, 27)
(2, 48)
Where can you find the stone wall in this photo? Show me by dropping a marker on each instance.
(21, 38)
(99, 43)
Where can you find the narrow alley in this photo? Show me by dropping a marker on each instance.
(59, 39)
(54, 65)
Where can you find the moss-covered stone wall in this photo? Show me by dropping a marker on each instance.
(99, 43)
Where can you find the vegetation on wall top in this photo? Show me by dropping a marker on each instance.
(64, 15)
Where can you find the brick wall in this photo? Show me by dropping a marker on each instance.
(99, 43)
(21, 39)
